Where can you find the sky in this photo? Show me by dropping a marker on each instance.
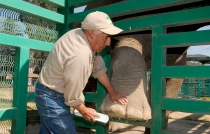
(79, 9)
(202, 49)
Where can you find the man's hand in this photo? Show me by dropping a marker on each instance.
(113, 94)
(88, 114)
(118, 97)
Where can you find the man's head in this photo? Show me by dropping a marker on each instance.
(98, 27)
(100, 21)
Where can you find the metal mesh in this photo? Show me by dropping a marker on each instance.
(195, 88)
(5, 126)
(6, 80)
(17, 24)
(41, 4)
(37, 59)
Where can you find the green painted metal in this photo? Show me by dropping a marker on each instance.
(20, 89)
(101, 90)
(160, 42)
(90, 97)
(195, 88)
(30, 96)
(173, 19)
(157, 83)
(186, 72)
(32, 10)
(184, 39)
(79, 121)
(129, 7)
(136, 123)
(16, 41)
(81, 2)
(102, 128)
(8, 113)
(184, 105)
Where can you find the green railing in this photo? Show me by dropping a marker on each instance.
(158, 23)
(195, 88)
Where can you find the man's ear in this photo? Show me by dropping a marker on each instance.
(90, 33)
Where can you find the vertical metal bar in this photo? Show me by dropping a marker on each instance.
(102, 128)
(157, 83)
(62, 29)
(101, 91)
(199, 88)
(20, 89)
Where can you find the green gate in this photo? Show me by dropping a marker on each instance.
(63, 18)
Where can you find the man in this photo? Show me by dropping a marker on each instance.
(65, 73)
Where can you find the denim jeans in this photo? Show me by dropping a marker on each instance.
(55, 116)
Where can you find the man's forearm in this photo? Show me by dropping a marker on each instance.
(104, 79)
(81, 107)
(113, 94)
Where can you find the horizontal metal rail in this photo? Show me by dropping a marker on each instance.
(33, 10)
(129, 7)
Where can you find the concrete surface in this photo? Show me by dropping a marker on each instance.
(180, 122)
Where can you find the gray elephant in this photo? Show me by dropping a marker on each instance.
(128, 75)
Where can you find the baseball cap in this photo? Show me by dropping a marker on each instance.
(101, 21)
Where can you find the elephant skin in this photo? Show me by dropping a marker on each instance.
(128, 76)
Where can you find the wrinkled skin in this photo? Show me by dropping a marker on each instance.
(128, 75)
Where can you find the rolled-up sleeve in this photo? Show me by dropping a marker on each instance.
(76, 74)
(99, 68)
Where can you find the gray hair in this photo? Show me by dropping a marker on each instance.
(97, 31)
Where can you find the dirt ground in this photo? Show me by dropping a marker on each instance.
(180, 122)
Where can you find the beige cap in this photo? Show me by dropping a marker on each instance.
(101, 21)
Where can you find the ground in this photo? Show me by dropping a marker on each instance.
(179, 121)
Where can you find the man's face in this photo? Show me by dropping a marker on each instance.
(100, 41)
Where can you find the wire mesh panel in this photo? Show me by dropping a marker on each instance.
(5, 127)
(37, 59)
(33, 27)
(195, 88)
(6, 80)
(27, 26)
(6, 84)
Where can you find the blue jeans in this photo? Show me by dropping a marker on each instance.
(55, 116)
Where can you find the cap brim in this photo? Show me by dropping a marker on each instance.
(111, 30)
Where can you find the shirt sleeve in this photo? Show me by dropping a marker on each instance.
(76, 74)
(99, 67)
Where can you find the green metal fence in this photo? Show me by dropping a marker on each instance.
(38, 38)
(195, 88)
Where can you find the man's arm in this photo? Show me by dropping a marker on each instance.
(113, 94)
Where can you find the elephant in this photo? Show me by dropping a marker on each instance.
(128, 75)
(126, 59)
(126, 63)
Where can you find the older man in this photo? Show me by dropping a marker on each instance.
(66, 71)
